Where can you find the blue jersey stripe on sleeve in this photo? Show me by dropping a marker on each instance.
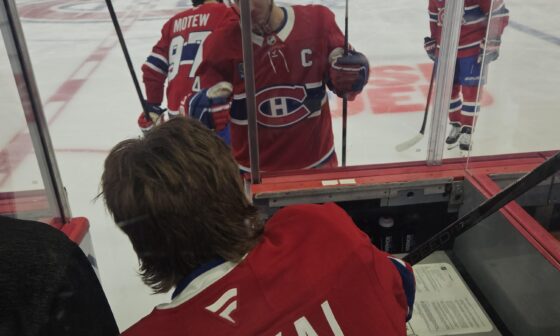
(409, 285)
(158, 63)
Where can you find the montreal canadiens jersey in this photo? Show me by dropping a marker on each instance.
(475, 21)
(291, 67)
(313, 273)
(179, 52)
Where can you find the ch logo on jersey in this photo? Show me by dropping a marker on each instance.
(225, 305)
(280, 106)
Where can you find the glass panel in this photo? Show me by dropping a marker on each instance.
(90, 102)
(514, 264)
(22, 192)
(512, 275)
(541, 202)
(519, 104)
(85, 55)
(391, 108)
(90, 105)
(388, 112)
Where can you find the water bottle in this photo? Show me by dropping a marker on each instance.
(386, 234)
(409, 232)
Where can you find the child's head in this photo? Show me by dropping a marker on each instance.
(178, 195)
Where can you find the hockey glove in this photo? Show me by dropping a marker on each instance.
(430, 45)
(156, 117)
(489, 51)
(348, 74)
(211, 106)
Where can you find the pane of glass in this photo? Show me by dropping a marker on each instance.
(512, 275)
(542, 202)
(391, 108)
(519, 103)
(90, 105)
(21, 186)
(388, 111)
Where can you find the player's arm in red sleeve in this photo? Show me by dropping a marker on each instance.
(430, 42)
(154, 74)
(498, 15)
(433, 17)
(154, 70)
(498, 19)
(395, 276)
(348, 74)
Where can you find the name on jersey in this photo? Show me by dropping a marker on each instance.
(191, 21)
(303, 326)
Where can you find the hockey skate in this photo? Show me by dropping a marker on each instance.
(465, 139)
(453, 136)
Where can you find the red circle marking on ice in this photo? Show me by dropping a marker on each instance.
(80, 11)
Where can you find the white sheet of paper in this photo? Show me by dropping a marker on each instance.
(444, 305)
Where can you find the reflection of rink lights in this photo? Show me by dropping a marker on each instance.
(328, 3)
(81, 7)
(92, 10)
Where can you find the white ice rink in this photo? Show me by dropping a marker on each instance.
(90, 102)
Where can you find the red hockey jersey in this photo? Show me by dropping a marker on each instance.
(313, 273)
(475, 21)
(291, 68)
(179, 52)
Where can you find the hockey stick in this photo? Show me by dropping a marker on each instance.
(409, 143)
(491, 205)
(127, 57)
(345, 97)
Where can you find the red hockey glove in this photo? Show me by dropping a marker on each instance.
(156, 117)
(430, 45)
(348, 74)
(489, 51)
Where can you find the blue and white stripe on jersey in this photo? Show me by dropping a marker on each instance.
(433, 17)
(500, 11)
(157, 63)
(473, 15)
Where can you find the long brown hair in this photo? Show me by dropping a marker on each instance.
(178, 195)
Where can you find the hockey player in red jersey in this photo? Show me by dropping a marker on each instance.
(308, 270)
(481, 30)
(177, 55)
(298, 53)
